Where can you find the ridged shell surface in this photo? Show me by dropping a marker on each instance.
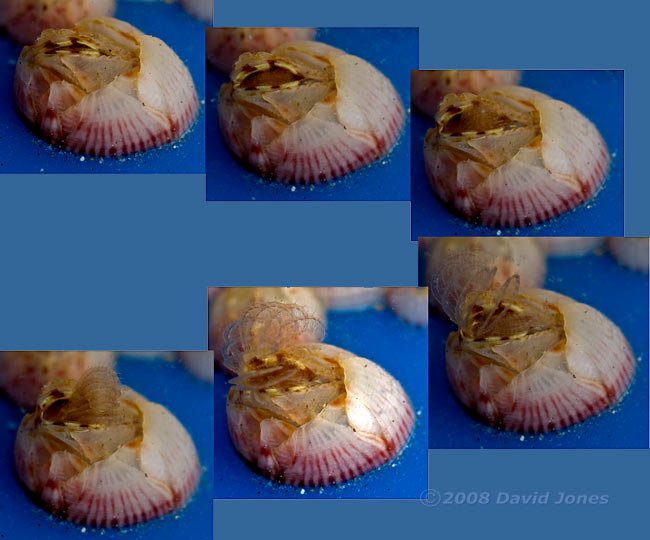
(511, 156)
(307, 112)
(104, 88)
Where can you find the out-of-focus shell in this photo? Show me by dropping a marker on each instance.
(349, 298)
(429, 87)
(512, 156)
(201, 9)
(199, 363)
(630, 252)
(103, 88)
(24, 373)
(569, 246)
(530, 360)
(233, 302)
(409, 303)
(223, 46)
(98, 453)
(24, 20)
(307, 112)
(510, 255)
(309, 413)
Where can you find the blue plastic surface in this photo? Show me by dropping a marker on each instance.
(398, 347)
(169, 384)
(393, 51)
(25, 152)
(599, 281)
(596, 94)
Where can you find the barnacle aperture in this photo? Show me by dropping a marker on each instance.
(96, 452)
(309, 413)
(511, 156)
(24, 20)
(24, 373)
(103, 88)
(307, 112)
(528, 360)
(429, 87)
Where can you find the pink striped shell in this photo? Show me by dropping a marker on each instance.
(223, 46)
(410, 304)
(309, 413)
(24, 373)
(231, 304)
(104, 88)
(530, 360)
(630, 252)
(512, 156)
(99, 454)
(307, 112)
(429, 87)
(24, 20)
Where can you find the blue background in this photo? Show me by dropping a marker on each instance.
(624, 300)
(24, 152)
(398, 347)
(596, 94)
(159, 381)
(393, 51)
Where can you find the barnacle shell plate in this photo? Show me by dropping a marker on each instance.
(569, 363)
(512, 156)
(107, 457)
(104, 88)
(307, 112)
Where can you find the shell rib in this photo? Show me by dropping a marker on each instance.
(307, 112)
(630, 252)
(24, 373)
(24, 20)
(310, 413)
(429, 87)
(104, 88)
(349, 298)
(97, 453)
(410, 304)
(231, 303)
(512, 156)
(224, 46)
(530, 360)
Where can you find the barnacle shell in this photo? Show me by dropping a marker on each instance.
(223, 46)
(104, 88)
(233, 302)
(510, 255)
(199, 363)
(24, 20)
(409, 303)
(201, 9)
(528, 360)
(429, 87)
(569, 246)
(349, 298)
(24, 373)
(512, 156)
(98, 453)
(307, 112)
(309, 413)
(630, 252)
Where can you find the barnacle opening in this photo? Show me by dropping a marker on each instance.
(270, 75)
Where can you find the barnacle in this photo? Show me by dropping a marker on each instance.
(409, 303)
(102, 87)
(511, 156)
(349, 298)
(630, 252)
(98, 453)
(527, 360)
(307, 112)
(307, 413)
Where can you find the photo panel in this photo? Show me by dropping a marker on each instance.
(537, 343)
(530, 152)
(308, 113)
(104, 442)
(320, 392)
